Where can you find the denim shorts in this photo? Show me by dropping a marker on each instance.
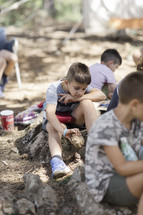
(118, 193)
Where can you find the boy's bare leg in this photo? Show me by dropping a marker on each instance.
(54, 141)
(10, 58)
(2, 66)
(85, 112)
(59, 168)
(135, 185)
(9, 68)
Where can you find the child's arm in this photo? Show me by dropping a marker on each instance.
(123, 167)
(95, 95)
(53, 120)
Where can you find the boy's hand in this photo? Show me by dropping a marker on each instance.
(75, 137)
(72, 131)
(66, 98)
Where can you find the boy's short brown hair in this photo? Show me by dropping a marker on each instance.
(79, 72)
(131, 88)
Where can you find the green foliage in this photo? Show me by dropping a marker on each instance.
(69, 10)
(20, 15)
(65, 10)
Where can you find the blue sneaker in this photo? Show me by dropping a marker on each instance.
(59, 168)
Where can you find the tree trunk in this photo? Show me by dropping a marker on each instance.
(49, 5)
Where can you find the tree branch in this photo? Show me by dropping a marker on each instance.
(13, 6)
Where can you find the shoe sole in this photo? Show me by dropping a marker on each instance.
(59, 174)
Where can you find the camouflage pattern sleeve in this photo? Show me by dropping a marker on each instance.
(98, 168)
(107, 130)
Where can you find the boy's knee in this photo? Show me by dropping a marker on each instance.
(13, 58)
(86, 103)
(50, 128)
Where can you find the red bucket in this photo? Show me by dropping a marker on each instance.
(7, 120)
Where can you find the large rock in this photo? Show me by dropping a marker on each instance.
(86, 202)
(6, 203)
(33, 141)
(38, 199)
(41, 194)
(41, 198)
(24, 206)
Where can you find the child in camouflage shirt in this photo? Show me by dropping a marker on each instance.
(111, 175)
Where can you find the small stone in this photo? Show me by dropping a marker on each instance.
(77, 141)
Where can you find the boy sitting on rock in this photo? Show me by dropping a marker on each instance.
(72, 96)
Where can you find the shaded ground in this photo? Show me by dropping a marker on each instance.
(42, 60)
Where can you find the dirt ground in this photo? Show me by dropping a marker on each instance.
(44, 58)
